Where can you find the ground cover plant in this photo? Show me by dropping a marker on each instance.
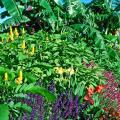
(60, 61)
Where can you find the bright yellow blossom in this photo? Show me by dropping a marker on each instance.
(19, 81)
(6, 76)
(71, 71)
(59, 70)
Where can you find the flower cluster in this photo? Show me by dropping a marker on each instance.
(68, 107)
(91, 91)
(51, 86)
(61, 70)
(37, 104)
(111, 89)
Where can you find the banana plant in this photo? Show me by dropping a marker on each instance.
(28, 11)
(14, 10)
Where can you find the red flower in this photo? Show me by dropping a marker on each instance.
(90, 91)
(106, 109)
(99, 88)
(89, 99)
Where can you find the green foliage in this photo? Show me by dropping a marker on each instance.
(4, 112)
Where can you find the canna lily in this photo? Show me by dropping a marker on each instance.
(59, 70)
(6, 76)
(71, 71)
(99, 88)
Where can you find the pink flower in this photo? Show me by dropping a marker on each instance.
(29, 8)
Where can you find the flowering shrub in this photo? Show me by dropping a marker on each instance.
(111, 90)
(58, 65)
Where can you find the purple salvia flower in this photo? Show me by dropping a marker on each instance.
(24, 116)
(51, 86)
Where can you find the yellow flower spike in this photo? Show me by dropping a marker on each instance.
(33, 50)
(5, 76)
(20, 75)
(11, 37)
(10, 28)
(23, 45)
(23, 31)
(20, 78)
(16, 32)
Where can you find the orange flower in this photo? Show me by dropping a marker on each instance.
(89, 99)
(90, 91)
(99, 88)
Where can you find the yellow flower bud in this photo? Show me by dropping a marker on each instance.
(10, 28)
(23, 45)
(16, 32)
(33, 50)
(23, 31)
(5, 76)
(20, 75)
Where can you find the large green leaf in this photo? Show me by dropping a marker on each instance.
(4, 112)
(12, 8)
(41, 91)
